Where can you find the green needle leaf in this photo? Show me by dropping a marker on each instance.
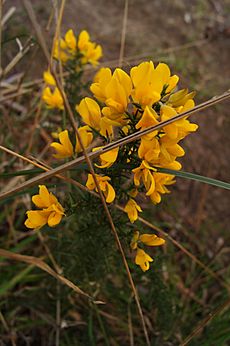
(197, 177)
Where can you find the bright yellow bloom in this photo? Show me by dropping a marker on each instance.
(161, 181)
(114, 90)
(145, 173)
(101, 80)
(170, 150)
(90, 51)
(65, 49)
(149, 82)
(90, 112)
(48, 78)
(117, 93)
(180, 97)
(149, 149)
(143, 259)
(180, 128)
(132, 208)
(147, 89)
(51, 213)
(52, 99)
(71, 40)
(105, 187)
(149, 118)
(147, 239)
(64, 149)
(108, 158)
(86, 137)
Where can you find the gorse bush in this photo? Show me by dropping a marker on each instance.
(123, 104)
(110, 251)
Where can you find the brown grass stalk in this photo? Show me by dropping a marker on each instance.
(123, 33)
(45, 267)
(205, 321)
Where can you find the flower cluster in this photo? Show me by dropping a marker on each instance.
(73, 52)
(123, 103)
(51, 211)
(69, 47)
(51, 94)
(65, 148)
(142, 258)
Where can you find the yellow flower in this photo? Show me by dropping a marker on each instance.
(65, 49)
(147, 88)
(52, 99)
(114, 90)
(90, 112)
(51, 213)
(60, 51)
(48, 78)
(105, 187)
(71, 40)
(147, 239)
(161, 181)
(149, 118)
(143, 259)
(132, 209)
(101, 80)
(180, 128)
(64, 149)
(108, 158)
(149, 82)
(149, 149)
(86, 137)
(144, 173)
(117, 93)
(170, 150)
(90, 51)
(180, 97)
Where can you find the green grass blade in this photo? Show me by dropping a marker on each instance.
(197, 177)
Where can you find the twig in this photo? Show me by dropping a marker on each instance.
(205, 321)
(123, 33)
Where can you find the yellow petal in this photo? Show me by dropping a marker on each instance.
(110, 193)
(142, 259)
(48, 78)
(151, 240)
(54, 219)
(36, 218)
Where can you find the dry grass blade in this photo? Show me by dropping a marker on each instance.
(22, 52)
(123, 33)
(205, 321)
(113, 145)
(45, 267)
